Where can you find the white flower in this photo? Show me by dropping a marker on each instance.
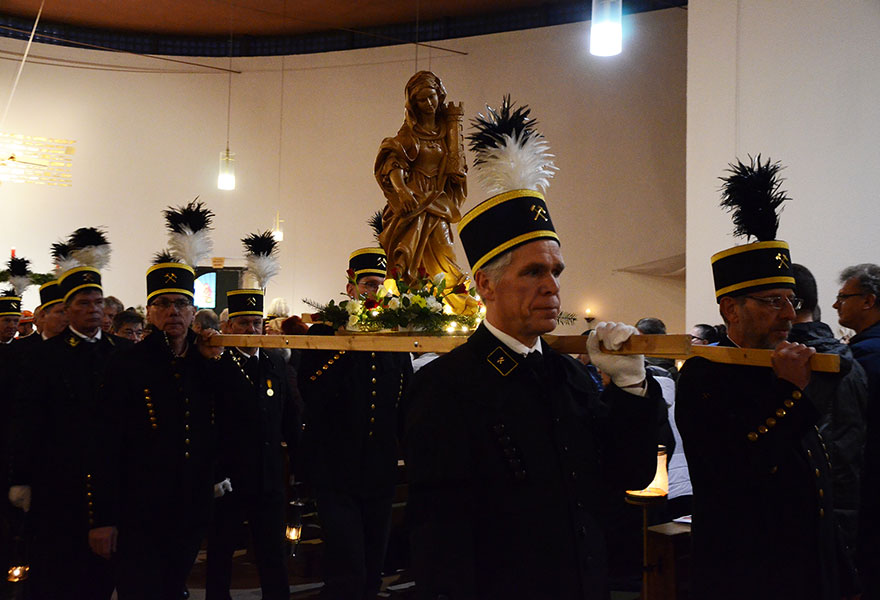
(433, 304)
(438, 279)
(353, 307)
(352, 321)
(394, 303)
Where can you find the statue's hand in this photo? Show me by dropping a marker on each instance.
(408, 201)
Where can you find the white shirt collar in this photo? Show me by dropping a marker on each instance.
(96, 337)
(511, 342)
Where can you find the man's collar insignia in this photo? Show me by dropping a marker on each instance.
(73, 340)
(502, 360)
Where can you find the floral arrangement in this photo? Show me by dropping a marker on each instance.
(419, 305)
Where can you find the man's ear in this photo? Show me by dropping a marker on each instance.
(485, 286)
(350, 290)
(728, 309)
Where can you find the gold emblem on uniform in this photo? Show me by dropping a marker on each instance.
(170, 277)
(782, 261)
(89, 277)
(540, 212)
(73, 341)
(252, 301)
(503, 362)
(269, 392)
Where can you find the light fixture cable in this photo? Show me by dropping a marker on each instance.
(21, 65)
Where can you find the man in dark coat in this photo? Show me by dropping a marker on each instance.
(841, 400)
(510, 448)
(763, 520)
(55, 429)
(153, 488)
(858, 307)
(256, 413)
(351, 446)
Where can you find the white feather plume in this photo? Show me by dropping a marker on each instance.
(92, 256)
(63, 265)
(516, 165)
(191, 248)
(20, 283)
(263, 267)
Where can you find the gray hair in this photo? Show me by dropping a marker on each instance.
(207, 319)
(867, 274)
(495, 268)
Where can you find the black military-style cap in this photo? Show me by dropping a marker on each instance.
(10, 306)
(170, 278)
(368, 261)
(504, 222)
(50, 293)
(79, 279)
(751, 268)
(245, 302)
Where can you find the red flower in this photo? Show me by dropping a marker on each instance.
(393, 273)
(459, 289)
(369, 304)
(423, 273)
(350, 273)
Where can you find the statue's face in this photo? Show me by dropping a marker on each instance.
(426, 100)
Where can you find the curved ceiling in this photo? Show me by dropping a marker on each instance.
(203, 27)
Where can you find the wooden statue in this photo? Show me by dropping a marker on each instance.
(422, 172)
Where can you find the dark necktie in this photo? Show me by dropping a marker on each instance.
(534, 361)
(252, 368)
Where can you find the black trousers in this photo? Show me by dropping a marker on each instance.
(65, 568)
(265, 515)
(355, 533)
(153, 564)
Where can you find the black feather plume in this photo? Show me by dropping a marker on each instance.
(260, 244)
(375, 223)
(85, 237)
(752, 193)
(7, 292)
(194, 216)
(491, 129)
(60, 251)
(163, 256)
(18, 267)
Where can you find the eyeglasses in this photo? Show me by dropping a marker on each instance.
(842, 297)
(165, 304)
(778, 302)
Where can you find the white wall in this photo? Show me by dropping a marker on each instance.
(147, 140)
(797, 82)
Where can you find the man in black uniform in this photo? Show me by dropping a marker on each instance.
(256, 413)
(763, 521)
(153, 487)
(351, 448)
(54, 434)
(510, 447)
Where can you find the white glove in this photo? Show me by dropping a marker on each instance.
(20, 497)
(624, 371)
(222, 487)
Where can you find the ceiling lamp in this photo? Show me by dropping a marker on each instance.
(606, 32)
(226, 177)
(277, 231)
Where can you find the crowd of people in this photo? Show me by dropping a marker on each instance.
(129, 440)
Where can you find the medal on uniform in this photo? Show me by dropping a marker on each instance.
(269, 392)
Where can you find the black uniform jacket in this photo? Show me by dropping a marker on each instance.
(55, 428)
(763, 524)
(508, 466)
(156, 468)
(254, 415)
(352, 399)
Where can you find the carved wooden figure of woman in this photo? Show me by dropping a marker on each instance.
(422, 172)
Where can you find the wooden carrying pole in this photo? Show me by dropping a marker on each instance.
(662, 346)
